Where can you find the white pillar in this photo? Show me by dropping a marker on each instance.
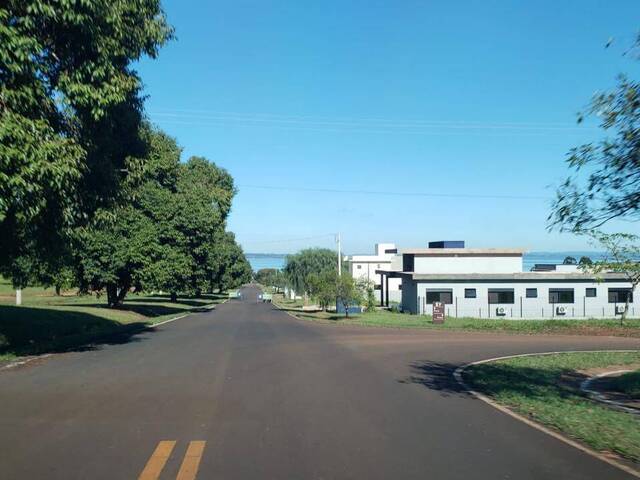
(18, 296)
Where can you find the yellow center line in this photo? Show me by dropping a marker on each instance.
(158, 459)
(191, 462)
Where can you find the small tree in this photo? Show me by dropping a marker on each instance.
(570, 261)
(367, 288)
(584, 260)
(623, 253)
(322, 287)
(347, 292)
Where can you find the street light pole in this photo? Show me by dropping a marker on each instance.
(339, 255)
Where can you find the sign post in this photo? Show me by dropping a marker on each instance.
(438, 312)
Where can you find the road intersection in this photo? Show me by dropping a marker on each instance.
(245, 391)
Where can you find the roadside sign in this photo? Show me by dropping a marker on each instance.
(438, 312)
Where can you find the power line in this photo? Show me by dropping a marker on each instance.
(364, 125)
(287, 240)
(268, 117)
(396, 193)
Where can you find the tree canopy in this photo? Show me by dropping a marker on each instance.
(605, 179)
(70, 115)
(169, 235)
(316, 261)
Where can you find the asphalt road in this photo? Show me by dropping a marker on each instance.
(247, 392)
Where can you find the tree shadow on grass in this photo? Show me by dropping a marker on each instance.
(497, 380)
(33, 331)
(143, 309)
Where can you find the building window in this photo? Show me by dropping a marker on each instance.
(532, 293)
(561, 295)
(407, 262)
(377, 287)
(400, 287)
(378, 266)
(619, 295)
(358, 267)
(590, 292)
(391, 250)
(469, 293)
(501, 295)
(444, 296)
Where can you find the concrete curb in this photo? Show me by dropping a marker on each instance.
(598, 397)
(19, 363)
(457, 374)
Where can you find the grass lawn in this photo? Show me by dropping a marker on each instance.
(46, 322)
(628, 383)
(381, 318)
(546, 389)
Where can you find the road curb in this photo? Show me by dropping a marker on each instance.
(599, 397)
(457, 374)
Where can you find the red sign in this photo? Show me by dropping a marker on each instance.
(438, 312)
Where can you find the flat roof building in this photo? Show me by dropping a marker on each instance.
(490, 282)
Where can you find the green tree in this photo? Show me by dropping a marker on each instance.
(622, 256)
(300, 266)
(270, 277)
(70, 112)
(605, 179)
(569, 261)
(584, 260)
(367, 287)
(322, 287)
(136, 244)
(348, 293)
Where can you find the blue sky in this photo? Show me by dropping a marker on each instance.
(467, 99)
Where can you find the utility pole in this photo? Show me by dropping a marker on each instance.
(339, 255)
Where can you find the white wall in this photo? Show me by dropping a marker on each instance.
(467, 264)
(583, 307)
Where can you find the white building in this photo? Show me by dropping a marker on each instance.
(364, 267)
(487, 283)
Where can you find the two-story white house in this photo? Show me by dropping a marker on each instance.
(364, 267)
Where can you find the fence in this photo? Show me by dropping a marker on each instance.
(542, 309)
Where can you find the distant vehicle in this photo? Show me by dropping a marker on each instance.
(266, 297)
(233, 295)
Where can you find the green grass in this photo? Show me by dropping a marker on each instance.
(628, 383)
(46, 322)
(545, 388)
(380, 318)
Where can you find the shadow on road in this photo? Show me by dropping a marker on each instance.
(436, 376)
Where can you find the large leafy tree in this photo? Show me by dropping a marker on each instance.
(70, 112)
(204, 195)
(170, 234)
(301, 265)
(135, 244)
(605, 179)
(227, 266)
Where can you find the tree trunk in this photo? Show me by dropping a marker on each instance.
(112, 295)
(174, 297)
(58, 290)
(123, 293)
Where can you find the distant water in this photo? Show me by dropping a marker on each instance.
(265, 260)
(274, 260)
